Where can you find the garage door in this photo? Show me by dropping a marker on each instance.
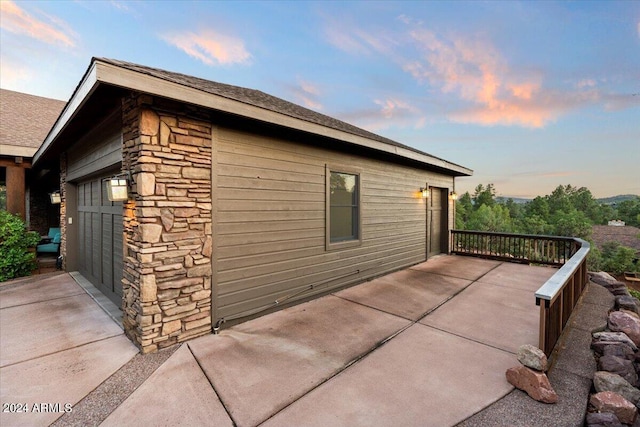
(100, 239)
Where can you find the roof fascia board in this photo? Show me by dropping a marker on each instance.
(117, 76)
(86, 87)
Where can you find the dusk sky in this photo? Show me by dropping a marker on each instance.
(530, 95)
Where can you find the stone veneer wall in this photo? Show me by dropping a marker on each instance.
(167, 222)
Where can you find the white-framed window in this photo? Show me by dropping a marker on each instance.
(343, 208)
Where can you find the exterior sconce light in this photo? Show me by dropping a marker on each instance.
(56, 199)
(118, 188)
(424, 192)
(453, 195)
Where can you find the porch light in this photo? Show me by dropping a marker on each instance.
(56, 199)
(117, 189)
(425, 192)
(453, 195)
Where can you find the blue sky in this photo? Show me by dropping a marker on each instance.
(530, 95)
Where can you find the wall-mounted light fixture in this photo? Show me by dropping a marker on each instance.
(424, 192)
(118, 188)
(453, 195)
(56, 198)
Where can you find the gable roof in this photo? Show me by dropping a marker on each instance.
(237, 100)
(25, 121)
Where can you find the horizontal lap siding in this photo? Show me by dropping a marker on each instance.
(270, 220)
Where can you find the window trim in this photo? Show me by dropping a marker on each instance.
(329, 245)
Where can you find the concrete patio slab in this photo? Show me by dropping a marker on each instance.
(37, 290)
(61, 378)
(495, 315)
(423, 377)
(514, 276)
(181, 378)
(263, 365)
(47, 327)
(407, 293)
(457, 266)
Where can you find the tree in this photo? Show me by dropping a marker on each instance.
(629, 211)
(617, 258)
(464, 208)
(534, 224)
(490, 218)
(572, 223)
(559, 199)
(515, 210)
(484, 196)
(538, 207)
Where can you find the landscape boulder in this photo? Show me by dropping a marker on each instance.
(620, 366)
(614, 337)
(630, 303)
(532, 357)
(619, 321)
(602, 419)
(602, 277)
(534, 383)
(618, 349)
(608, 401)
(607, 381)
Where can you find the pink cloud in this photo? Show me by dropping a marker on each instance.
(210, 47)
(391, 108)
(12, 73)
(483, 89)
(387, 113)
(306, 93)
(475, 71)
(18, 21)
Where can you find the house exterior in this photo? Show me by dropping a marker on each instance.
(239, 202)
(626, 235)
(24, 122)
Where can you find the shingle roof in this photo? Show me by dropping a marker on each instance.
(256, 98)
(625, 235)
(26, 119)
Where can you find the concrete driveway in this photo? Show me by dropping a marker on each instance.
(425, 346)
(57, 346)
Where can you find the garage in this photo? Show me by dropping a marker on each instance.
(100, 238)
(94, 229)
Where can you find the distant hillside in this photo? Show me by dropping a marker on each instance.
(616, 199)
(517, 200)
(603, 201)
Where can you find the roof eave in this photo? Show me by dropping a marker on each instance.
(87, 86)
(105, 73)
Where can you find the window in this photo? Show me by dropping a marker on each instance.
(343, 208)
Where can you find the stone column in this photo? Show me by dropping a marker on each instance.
(167, 263)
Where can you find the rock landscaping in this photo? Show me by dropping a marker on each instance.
(530, 376)
(616, 399)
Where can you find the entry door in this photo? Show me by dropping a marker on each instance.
(100, 239)
(437, 217)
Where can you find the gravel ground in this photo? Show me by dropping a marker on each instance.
(102, 401)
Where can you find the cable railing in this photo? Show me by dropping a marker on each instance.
(559, 295)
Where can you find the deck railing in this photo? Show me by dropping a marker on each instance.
(522, 248)
(559, 295)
